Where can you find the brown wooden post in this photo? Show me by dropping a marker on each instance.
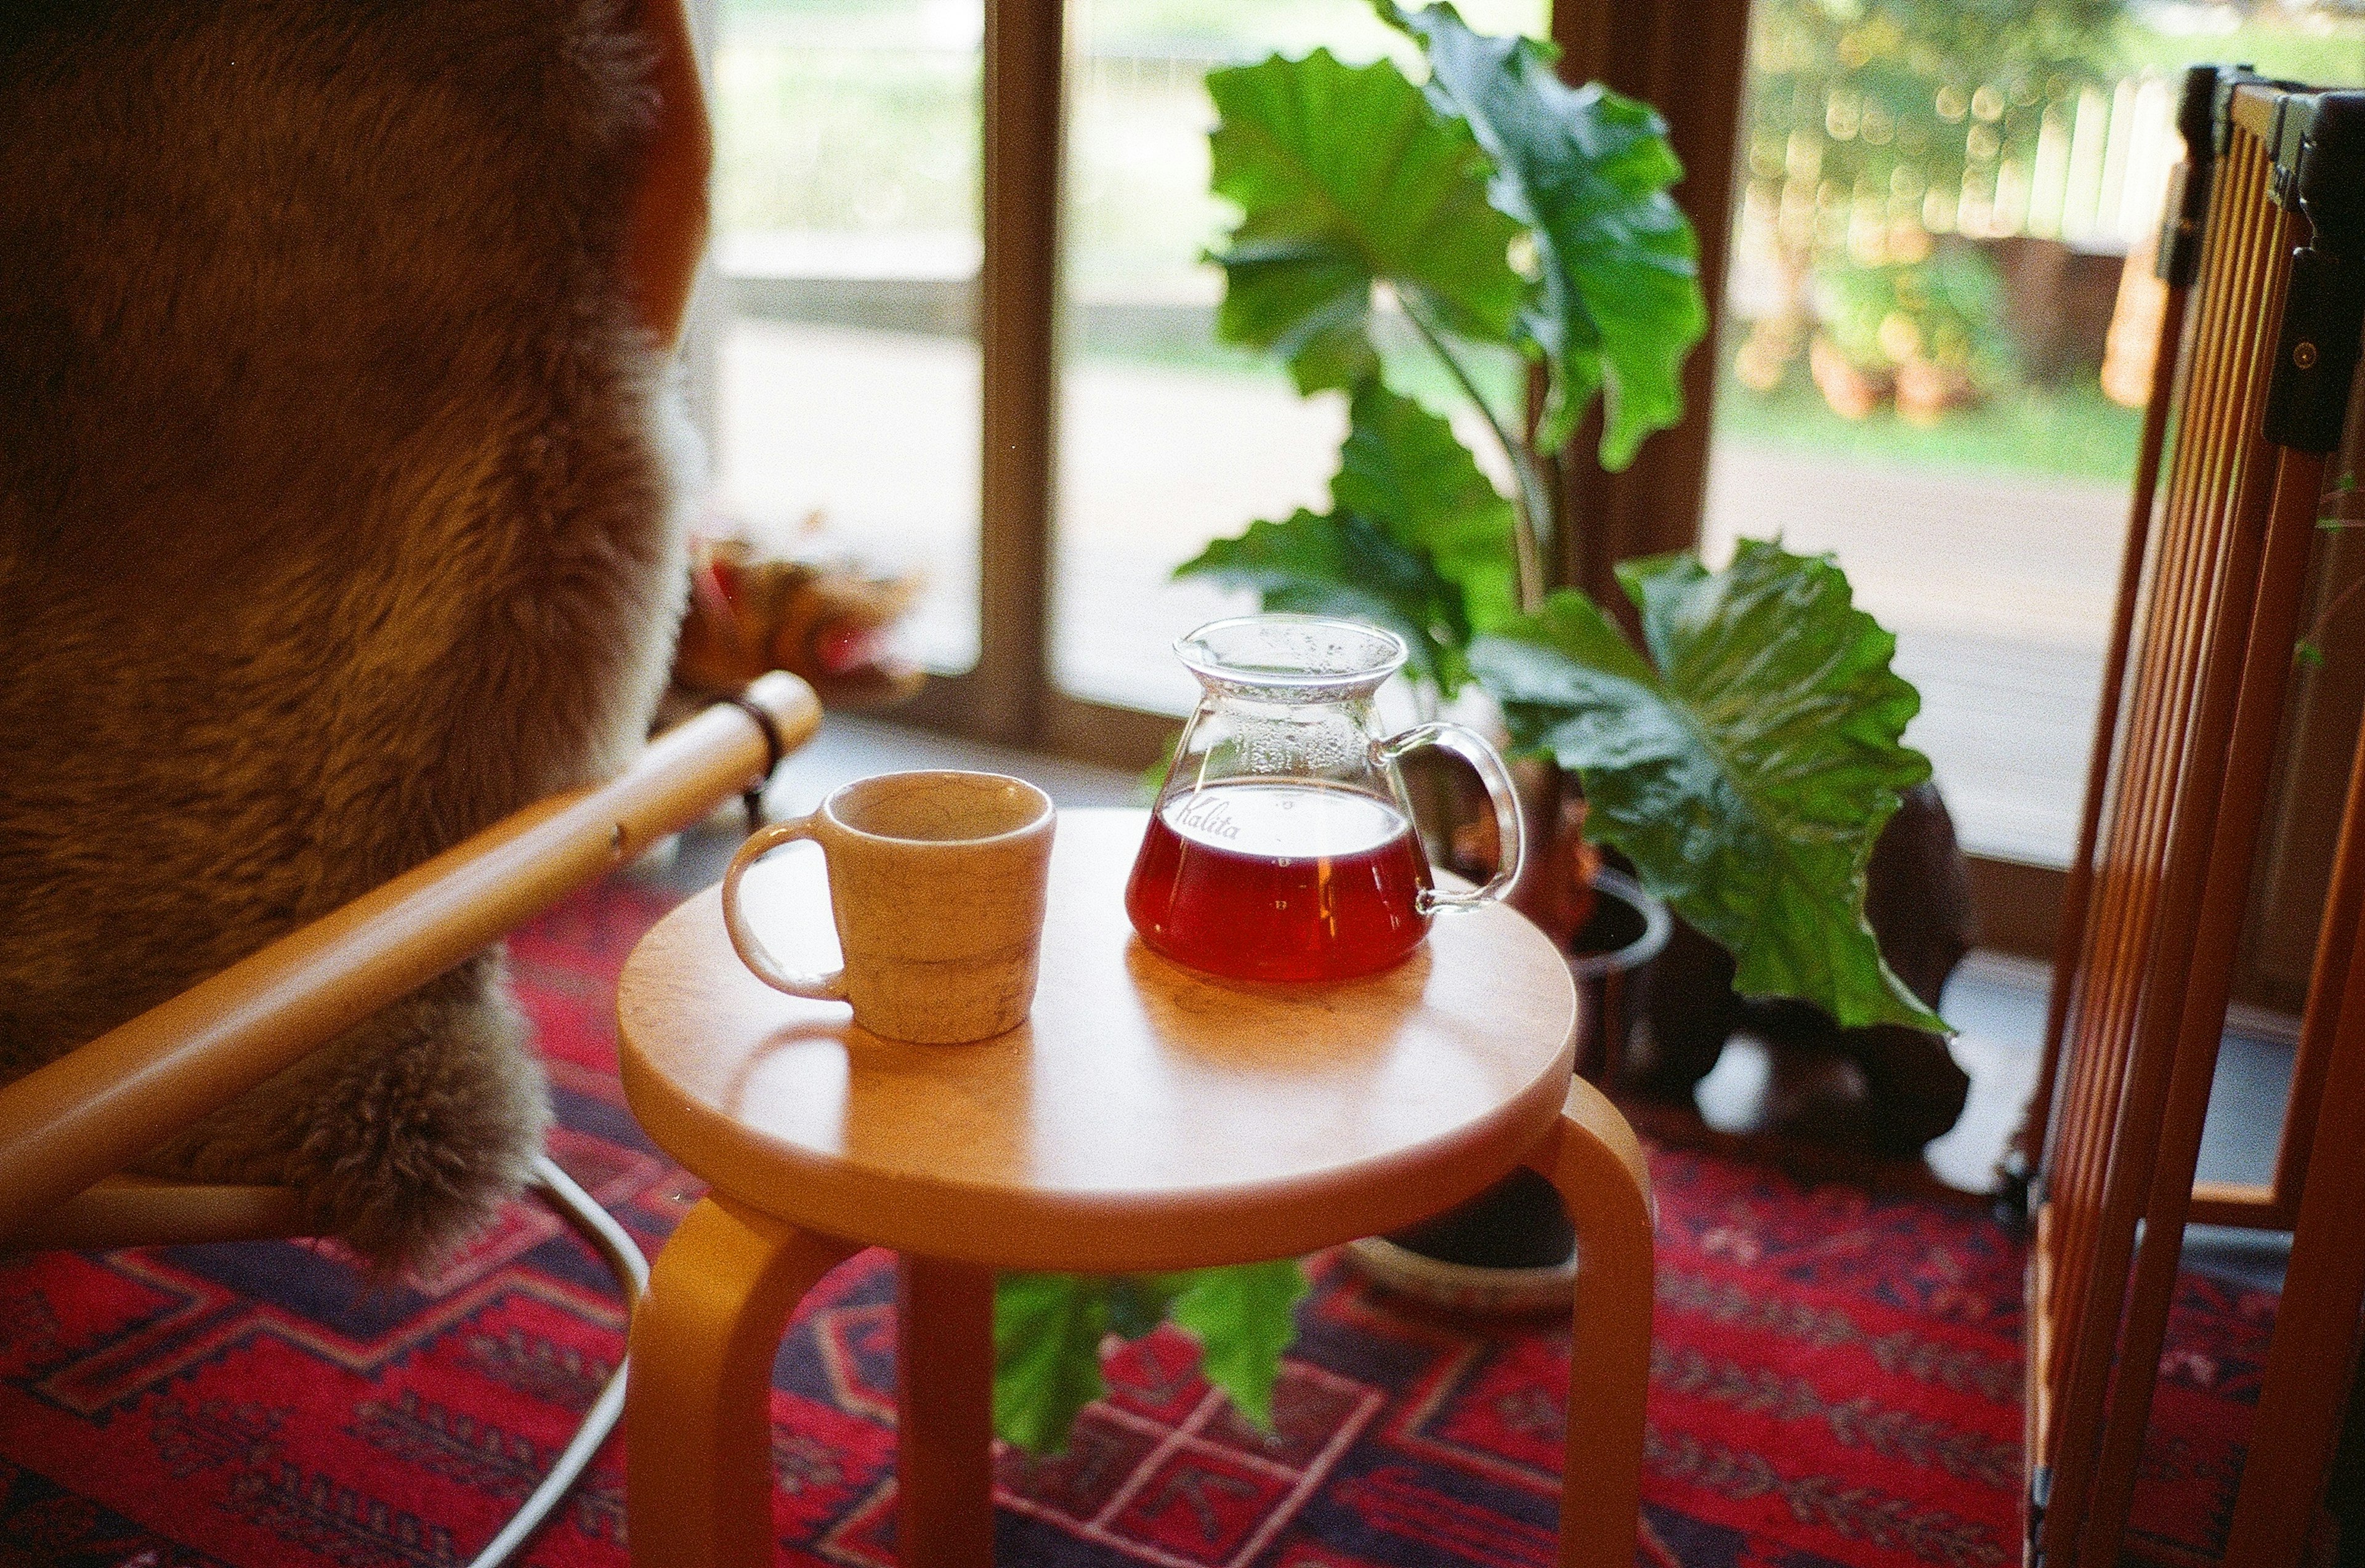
(1018, 305)
(1686, 57)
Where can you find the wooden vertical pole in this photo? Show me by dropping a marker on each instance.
(1592, 1156)
(2188, 787)
(2159, 889)
(2078, 887)
(944, 1415)
(2307, 1382)
(698, 1424)
(1017, 341)
(1687, 58)
(2207, 983)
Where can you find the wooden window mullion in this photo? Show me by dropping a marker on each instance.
(1686, 58)
(1019, 307)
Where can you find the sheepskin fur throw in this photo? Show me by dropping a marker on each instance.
(337, 521)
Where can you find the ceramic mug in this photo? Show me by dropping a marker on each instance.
(936, 886)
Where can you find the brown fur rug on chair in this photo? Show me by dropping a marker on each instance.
(337, 521)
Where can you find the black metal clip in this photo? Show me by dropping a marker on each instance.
(2187, 214)
(775, 748)
(2319, 156)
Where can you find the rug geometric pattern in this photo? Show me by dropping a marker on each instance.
(1835, 1380)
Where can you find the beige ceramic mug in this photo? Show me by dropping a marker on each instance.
(936, 885)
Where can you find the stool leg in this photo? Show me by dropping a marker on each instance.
(1593, 1157)
(944, 1415)
(697, 1429)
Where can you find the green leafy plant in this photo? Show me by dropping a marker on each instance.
(1747, 757)
(1870, 124)
(1741, 772)
(1745, 760)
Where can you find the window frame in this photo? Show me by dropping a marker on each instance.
(1689, 58)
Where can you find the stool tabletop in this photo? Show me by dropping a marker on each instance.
(1146, 1117)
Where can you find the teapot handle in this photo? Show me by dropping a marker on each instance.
(1510, 834)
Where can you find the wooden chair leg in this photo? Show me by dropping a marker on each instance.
(944, 1415)
(1595, 1161)
(698, 1431)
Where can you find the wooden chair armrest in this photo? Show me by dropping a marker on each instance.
(137, 1211)
(92, 1111)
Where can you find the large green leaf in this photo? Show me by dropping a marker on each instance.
(1404, 468)
(1243, 1318)
(1420, 540)
(1341, 564)
(1345, 175)
(1047, 1355)
(1587, 169)
(1748, 775)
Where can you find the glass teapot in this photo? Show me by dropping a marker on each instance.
(1282, 846)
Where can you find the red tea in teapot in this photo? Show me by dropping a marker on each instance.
(1280, 881)
(1282, 846)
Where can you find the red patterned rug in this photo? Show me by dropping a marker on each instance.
(1836, 1380)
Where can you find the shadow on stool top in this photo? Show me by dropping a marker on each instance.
(1146, 1117)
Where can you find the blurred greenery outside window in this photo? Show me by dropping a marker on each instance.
(1936, 196)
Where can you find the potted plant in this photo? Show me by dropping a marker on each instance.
(1394, 235)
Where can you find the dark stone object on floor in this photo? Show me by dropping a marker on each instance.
(1919, 904)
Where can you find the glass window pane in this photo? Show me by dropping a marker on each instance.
(1169, 439)
(847, 245)
(1941, 309)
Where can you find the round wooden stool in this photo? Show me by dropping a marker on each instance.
(1146, 1118)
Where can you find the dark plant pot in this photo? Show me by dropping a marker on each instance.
(1511, 1249)
(1626, 929)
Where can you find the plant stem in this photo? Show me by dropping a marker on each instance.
(2315, 633)
(1529, 505)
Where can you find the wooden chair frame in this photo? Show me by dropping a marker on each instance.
(2195, 682)
(69, 1128)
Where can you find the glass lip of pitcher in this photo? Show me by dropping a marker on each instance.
(1292, 657)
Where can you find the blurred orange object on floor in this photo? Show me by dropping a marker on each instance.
(825, 621)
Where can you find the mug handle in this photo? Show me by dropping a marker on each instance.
(830, 987)
(1510, 833)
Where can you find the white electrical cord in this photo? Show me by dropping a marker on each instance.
(624, 1257)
